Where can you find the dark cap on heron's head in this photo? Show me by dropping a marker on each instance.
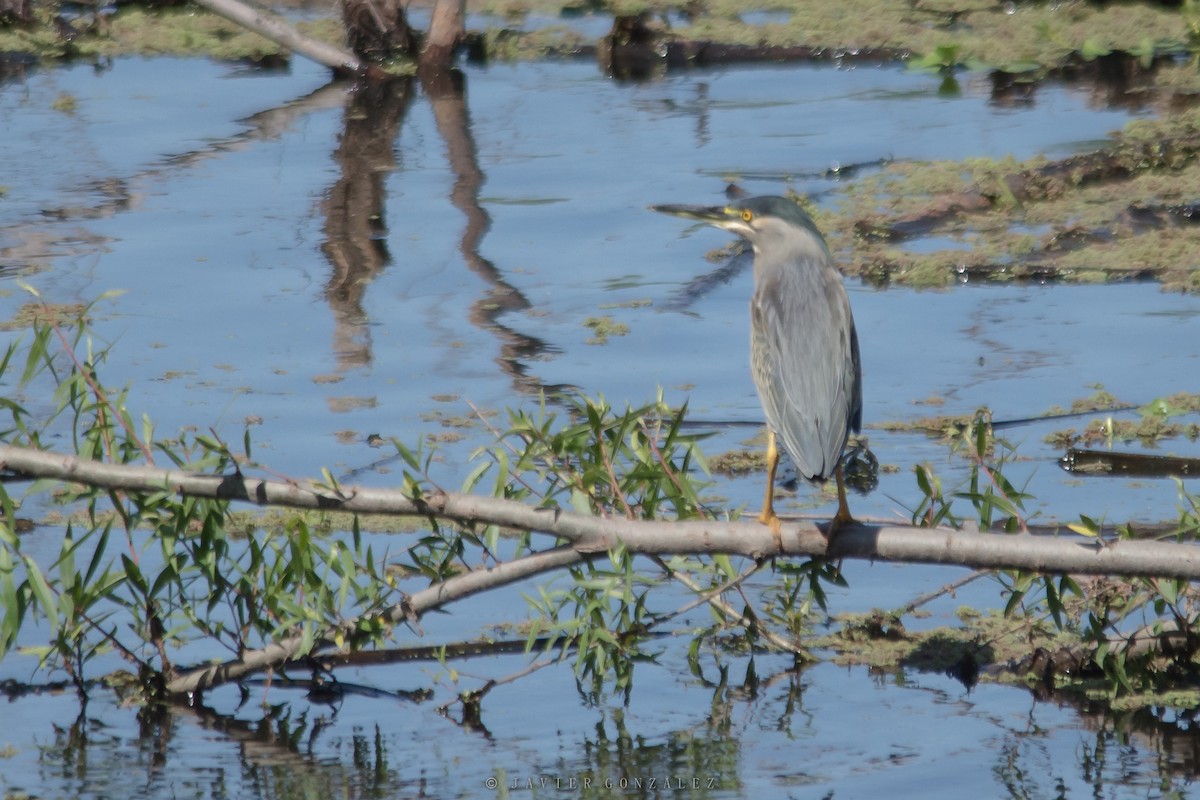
(738, 215)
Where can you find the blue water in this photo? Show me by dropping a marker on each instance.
(197, 188)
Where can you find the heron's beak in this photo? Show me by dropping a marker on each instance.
(714, 215)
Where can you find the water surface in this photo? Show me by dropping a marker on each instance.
(203, 191)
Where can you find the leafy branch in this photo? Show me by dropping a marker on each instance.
(607, 501)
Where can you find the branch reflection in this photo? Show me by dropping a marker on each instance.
(354, 227)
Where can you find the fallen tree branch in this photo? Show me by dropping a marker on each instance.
(590, 534)
(285, 650)
(276, 29)
(586, 536)
(445, 34)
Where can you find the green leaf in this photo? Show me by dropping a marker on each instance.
(475, 475)
(581, 502)
(725, 565)
(1086, 527)
(42, 592)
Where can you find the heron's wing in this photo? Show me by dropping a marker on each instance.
(804, 351)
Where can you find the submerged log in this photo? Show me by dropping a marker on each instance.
(640, 45)
(1078, 461)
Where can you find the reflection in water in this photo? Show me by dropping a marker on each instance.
(354, 211)
(57, 234)
(698, 762)
(291, 748)
(447, 93)
(1114, 80)
(1149, 749)
(354, 214)
(694, 290)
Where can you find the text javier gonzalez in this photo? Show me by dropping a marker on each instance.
(570, 784)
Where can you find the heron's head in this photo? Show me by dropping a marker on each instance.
(764, 221)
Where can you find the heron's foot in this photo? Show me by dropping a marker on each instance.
(839, 521)
(769, 518)
(842, 518)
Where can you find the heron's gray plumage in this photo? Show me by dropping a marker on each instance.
(804, 357)
(804, 347)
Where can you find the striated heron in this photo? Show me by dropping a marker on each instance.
(803, 346)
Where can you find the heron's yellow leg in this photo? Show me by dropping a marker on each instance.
(768, 516)
(843, 513)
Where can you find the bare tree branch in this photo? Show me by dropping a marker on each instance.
(591, 534)
(279, 653)
(586, 536)
(271, 26)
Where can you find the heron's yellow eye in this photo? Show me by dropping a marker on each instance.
(747, 215)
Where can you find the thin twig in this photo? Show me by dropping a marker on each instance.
(612, 478)
(492, 683)
(498, 436)
(703, 597)
(731, 613)
(89, 375)
(949, 588)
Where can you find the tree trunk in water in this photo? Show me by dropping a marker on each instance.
(16, 11)
(446, 31)
(377, 29)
